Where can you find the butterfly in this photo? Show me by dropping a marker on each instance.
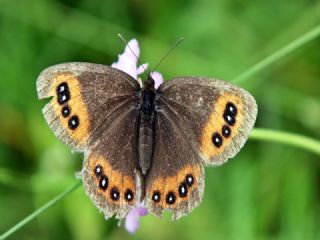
(142, 144)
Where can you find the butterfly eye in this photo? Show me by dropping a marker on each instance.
(115, 194)
(103, 183)
(217, 140)
(183, 190)
(73, 122)
(189, 180)
(171, 198)
(226, 131)
(128, 195)
(156, 196)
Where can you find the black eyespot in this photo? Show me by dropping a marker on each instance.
(128, 195)
(103, 183)
(63, 98)
(98, 170)
(66, 111)
(189, 180)
(232, 109)
(62, 88)
(217, 140)
(115, 194)
(73, 122)
(156, 196)
(63, 93)
(226, 131)
(229, 118)
(183, 190)
(170, 198)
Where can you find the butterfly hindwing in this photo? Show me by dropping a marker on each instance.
(175, 180)
(94, 109)
(110, 167)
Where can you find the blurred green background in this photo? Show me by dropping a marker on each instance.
(269, 191)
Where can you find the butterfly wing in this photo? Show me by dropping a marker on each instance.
(83, 95)
(199, 121)
(94, 109)
(216, 116)
(175, 180)
(109, 172)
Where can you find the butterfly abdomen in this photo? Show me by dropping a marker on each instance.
(145, 144)
(146, 135)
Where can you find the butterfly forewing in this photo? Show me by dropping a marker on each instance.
(215, 115)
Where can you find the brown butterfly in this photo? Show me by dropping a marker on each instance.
(142, 144)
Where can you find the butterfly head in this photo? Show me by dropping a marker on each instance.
(149, 83)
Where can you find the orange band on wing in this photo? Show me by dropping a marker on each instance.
(217, 123)
(76, 106)
(116, 181)
(186, 178)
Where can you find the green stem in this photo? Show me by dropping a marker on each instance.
(39, 211)
(291, 139)
(289, 48)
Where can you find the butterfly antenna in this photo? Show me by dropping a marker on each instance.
(126, 43)
(168, 53)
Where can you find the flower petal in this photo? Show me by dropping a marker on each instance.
(158, 79)
(141, 69)
(134, 45)
(142, 211)
(133, 218)
(127, 61)
(132, 221)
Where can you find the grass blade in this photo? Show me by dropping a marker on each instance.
(39, 211)
(291, 139)
(286, 50)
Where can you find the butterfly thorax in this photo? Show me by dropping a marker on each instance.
(147, 111)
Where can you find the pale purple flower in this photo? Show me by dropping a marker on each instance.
(127, 62)
(132, 219)
(158, 79)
